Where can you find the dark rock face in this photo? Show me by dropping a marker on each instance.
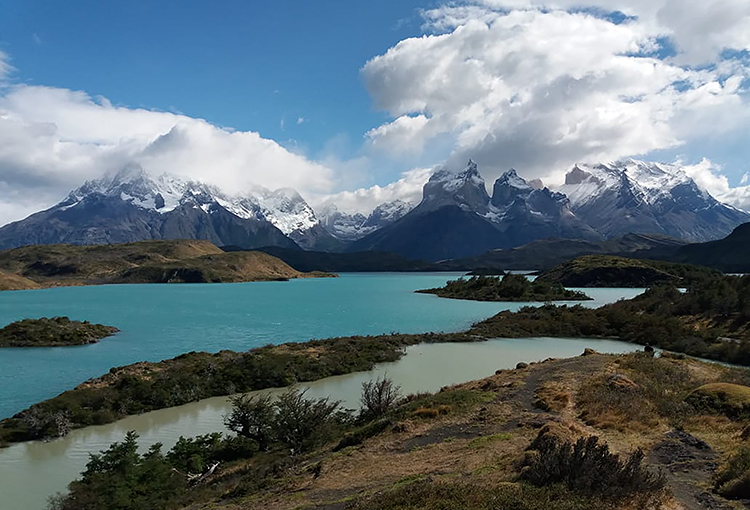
(516, 214)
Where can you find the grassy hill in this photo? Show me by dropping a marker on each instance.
(11, 281)
(141, 262)
(612, 271)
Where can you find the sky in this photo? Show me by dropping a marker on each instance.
(356, 102)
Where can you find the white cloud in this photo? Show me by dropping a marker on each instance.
(300, 120)
(700, 31)
(51, 140)
(745, 178)
(708, 176)
(5, 67)
(364, 200)
(513, 84)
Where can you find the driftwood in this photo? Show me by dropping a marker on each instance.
(194, 479)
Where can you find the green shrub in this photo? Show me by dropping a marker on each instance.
(733, 480)
(588, 467)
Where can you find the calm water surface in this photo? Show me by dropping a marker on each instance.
(162, 321)
(30, 472)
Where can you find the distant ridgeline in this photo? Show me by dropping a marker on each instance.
(456, 218)
(509, 287)
(186, 261)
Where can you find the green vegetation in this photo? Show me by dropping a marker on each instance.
(452, 494)
(144, 387)
(611, 271)
(180, 261)
(710, 320)
(482, 447)
(733, 479)
(57, 331)
(509, 287)
(722, 398)
(588, 467)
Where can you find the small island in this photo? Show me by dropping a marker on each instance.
(510, 287)
(54, 332)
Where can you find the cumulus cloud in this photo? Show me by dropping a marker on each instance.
(51, 140)
(540, 85)
(364, 200)
(708, 175)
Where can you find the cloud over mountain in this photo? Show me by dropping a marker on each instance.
(53, 139)
(541, 85)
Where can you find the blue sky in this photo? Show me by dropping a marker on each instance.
(367, 95)
(246, 65)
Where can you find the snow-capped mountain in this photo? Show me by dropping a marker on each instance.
(131, 205)
(526, 213)
(350, 227)
(464, 189)
(457, 218)
(638, 196)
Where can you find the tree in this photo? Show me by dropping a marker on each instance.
(378, 397)
(252, 417)
(302, 423)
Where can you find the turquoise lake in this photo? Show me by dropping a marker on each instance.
(162, 321)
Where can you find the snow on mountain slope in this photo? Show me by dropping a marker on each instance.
(350, 227)
(638, 196)
(465, 189)
(284, 208)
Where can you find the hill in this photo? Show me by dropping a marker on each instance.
(141, 262)
(612, 271)
(367, 261)
(10, 281)
(731, 254)
(546, 253)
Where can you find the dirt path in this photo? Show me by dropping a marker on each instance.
(688, 463)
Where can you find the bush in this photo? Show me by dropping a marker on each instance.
(733, 480)
(303, 423)
(252, 417)
(378, 397)
(588, 467)
(426, 412)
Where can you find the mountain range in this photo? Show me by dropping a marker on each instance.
(455, 219)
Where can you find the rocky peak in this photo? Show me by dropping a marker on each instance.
(508, 187)
(465, 189)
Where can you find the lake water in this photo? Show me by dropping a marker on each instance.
(162, 321)
(31, 472)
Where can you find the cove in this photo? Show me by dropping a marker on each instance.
(31, 472)
(162, 321)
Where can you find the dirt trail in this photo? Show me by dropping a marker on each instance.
(688, 463)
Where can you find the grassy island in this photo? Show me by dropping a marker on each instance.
(509, 287)
(54, 332)
(178, 261)
(611, 271)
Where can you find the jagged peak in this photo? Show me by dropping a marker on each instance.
(511, 178)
